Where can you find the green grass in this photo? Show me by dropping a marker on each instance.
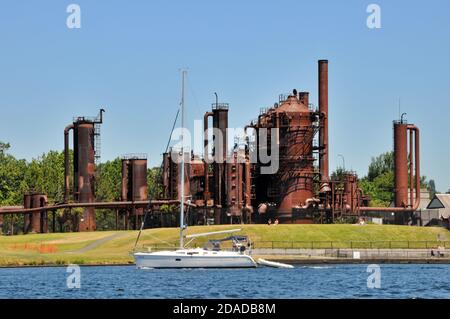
(61, 249)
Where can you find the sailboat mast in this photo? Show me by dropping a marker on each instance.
(183, 75)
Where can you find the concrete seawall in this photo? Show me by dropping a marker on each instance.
(311, 256)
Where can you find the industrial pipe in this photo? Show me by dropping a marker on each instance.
(248, 186)
(206, 193)
(411, 177)
(101, 116)
(66, 163)
(105, 205)
(417, 172)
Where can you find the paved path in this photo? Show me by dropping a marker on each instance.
(99, 242)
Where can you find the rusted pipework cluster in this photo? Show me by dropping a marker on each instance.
(226, 186)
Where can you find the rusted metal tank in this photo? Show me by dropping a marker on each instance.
(84, 172)
(134, 184)
(85, 135)
(291, 187)
(139, 179)
(296, 160)
(39, 220)
(174, 173)
(401, 164)
(220, 123)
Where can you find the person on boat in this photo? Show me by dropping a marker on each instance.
(269, 222)
(216, 246)
(276, 222)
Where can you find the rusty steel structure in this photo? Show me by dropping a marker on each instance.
(233, 189)
(295, 125)
(232, 185)
(86, 133)
(403, 155)
(36, 222)
(134, 186)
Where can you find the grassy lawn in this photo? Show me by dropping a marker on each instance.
(114, 246)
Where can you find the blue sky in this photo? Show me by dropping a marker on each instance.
(127, 55)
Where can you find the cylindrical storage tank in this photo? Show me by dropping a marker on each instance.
(401, 164)
(84, 167)
(350, 188)
(220, 124)
(39, 221)
(124, 190)
(139, 179)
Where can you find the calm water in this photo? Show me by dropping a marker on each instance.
(336, 281)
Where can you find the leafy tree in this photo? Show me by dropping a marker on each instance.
(381, 164)
(380, 190)
(109, 181)
(154, 183)
(379, 182)
(12, 172)
(337, 174)
(4, 147)
(432, 188)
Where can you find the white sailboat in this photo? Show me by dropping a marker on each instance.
(195, 257)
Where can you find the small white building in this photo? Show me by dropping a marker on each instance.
(441, 202)
(437, 212)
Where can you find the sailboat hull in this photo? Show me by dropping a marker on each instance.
(189, 259)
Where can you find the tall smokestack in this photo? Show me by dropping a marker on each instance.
(323, 109)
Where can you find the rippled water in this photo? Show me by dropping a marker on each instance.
(336, 281)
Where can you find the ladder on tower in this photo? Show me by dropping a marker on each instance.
(97, 143)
